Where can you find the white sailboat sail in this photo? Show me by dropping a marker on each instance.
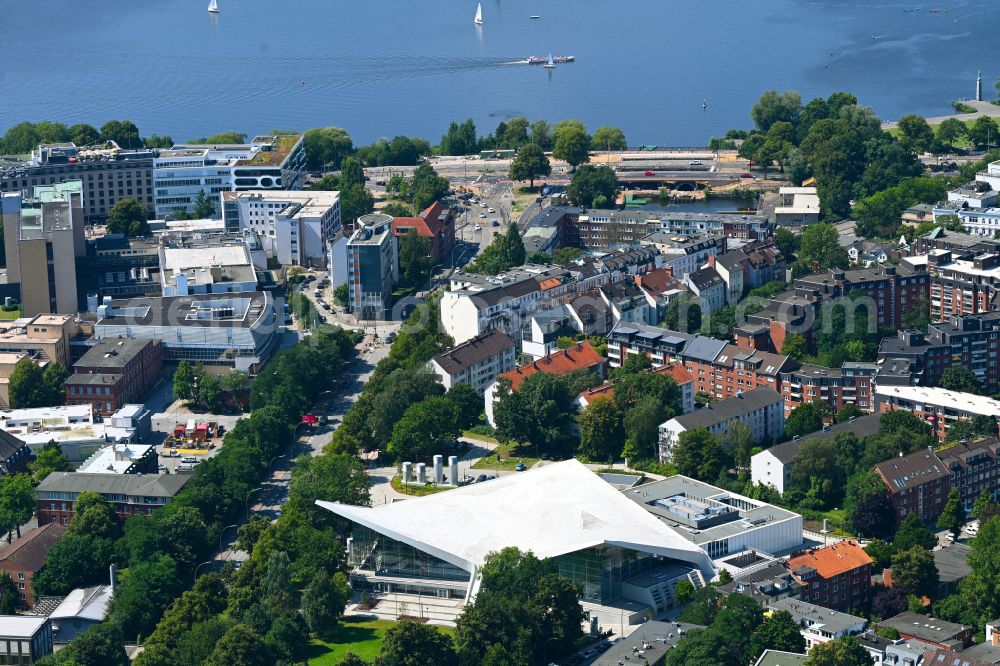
(213, 6)
(550, 64)
(479, 14)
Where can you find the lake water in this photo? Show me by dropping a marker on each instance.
(379, 68)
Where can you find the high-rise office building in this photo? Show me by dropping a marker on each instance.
(372, 267)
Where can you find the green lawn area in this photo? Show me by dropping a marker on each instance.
(510, 455)
(363, 638)
(13, 314)
(476, 435)
(414, 489)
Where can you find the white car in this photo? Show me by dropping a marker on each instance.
(490, 210)
(479, 227)
(482, 215)
(694, 163)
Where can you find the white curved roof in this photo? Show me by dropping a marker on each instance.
(552, 510)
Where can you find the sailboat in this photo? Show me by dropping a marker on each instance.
(213, 7)
(550, 64)
(479, 14)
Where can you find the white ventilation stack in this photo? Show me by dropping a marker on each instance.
(421, 473)
(406, 471)
(438, 469)
(453, 470)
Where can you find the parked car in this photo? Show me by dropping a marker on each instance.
(746, 175)
(694, 163)
(482, 215)
(496, 223)
(490, 211)
(481, 478)
(649, 173)
(189, 459)
(479, 227)
(520, 467)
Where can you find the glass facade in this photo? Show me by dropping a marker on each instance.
(376, 552)
(600, 571)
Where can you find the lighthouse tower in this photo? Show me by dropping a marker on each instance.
(979, 86)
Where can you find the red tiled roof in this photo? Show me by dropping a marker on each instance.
(677, 371)
(30, 550)
(659, 281)
(415, 223)
(432, 216)
(605, 390)
(579, 356)
(832, 560)
(549, 283)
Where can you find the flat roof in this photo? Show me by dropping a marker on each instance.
(779, 658)
(242, 309)
(924, 627)
(112, 353)
(939, 397)
(750, 513)
(20, 626)
(551, 510)
(115, 458)
(653, 638)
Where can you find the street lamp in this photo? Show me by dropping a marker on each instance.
(222, 533)
(199, 567)
(246, 507)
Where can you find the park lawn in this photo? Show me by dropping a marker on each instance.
(10, 315)
(510, 454)
(475, 435)
(414, 489)
(363, 638)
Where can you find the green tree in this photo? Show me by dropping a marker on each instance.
(351, 659)
(683, 314)
(426, 427)
(17, 501)
(49, 458)
(880, 552)
(915, 572)
(804, 419)
(591, 181)
(950, 130)
(54, 380)
(952, 516)
(83, 135)
(100, 645)
(414, 259)
(414, 644)
(128, 217)
(787, 242)
(204, 207)
(351, 172)
(355, 201)
(184, 380)
(796, 346)
(849, 412)
(469, 403)
(913, 533)
(529, 164)
(983, 133)
(240, 645)
(916, 135)
(324, 600)
(609, 138)
(27, 386)
(820, 247)
(145, 590)
(74, 561)
(325, 148)
(867, 507)
(459, 139)
(572, 143)
(780, 632)
(601, 433)
(984, 499)
(961, 379)
(122, 132)
(157, 141)
(683, 592)
(288, 638)
(815, 471)
(9, 594)
(839, 652)
(980, 590)
(515, 133)
(541, 134)
(427, 186)
(538, 413)
(698, 455)
(513, 246)
(235, 382)
(566, 255)
(332, 478)
(773, 107)
(642, 421)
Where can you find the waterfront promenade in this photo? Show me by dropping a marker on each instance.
(982, 109)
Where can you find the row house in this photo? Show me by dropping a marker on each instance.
(686, 254)
(476, 362)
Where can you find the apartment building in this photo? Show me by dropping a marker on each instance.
(685, 254)
(25, 555)
(838, 576)
(817, 623)
(660, 345)
(797, 207)
(724, 370)
(936, 406)
(436, 223)
(581, 356)
(707, 285)
(128, 494)
(43, 236)
(891, 291)
(294, 226)
(42, 337)
(851, 384)
(108, 173)
(476, 362)
(114, 373)
(760, 409)
(960, 285)
(185, 170)
(372, 267)
(476, 303)
(917, 483)
(612, 228)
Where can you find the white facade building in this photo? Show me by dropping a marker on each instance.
(476, 362)
(266, 163)
(294, 226)
(762, 409)
(816, 623)
(797, 206)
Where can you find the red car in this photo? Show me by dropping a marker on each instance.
(649, 173)
(746, 175)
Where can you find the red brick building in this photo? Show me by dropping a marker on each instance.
(917, 483)
(851, 384)
(731, 370)
(128, 494)
(436, 222)
(114, 373)
(837, 576)
(26, 555)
